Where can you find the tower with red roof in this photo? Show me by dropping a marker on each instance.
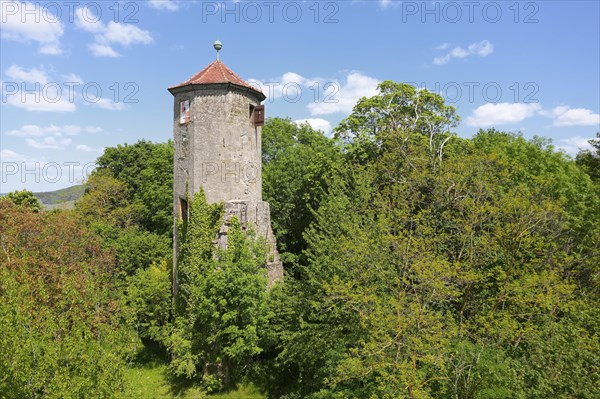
(217, 125)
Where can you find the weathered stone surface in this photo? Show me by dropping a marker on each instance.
(257, 216)
(219, 149)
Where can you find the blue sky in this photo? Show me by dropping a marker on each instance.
(78, 76)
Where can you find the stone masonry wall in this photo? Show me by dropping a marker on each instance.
(219, 149)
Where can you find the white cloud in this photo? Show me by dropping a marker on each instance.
(573, 145)
(93, 129)
(41, 174)
(102, 50)
(88, 21)
(167, 5)
(107, 104)
(444, 59)
(26, 22)
(343, 98)
(293, 77)
(72, 130)
(84, 148)
(125, 34)
(87, 148)
(39, 103)
(48, 95)
(501, 114)
(52, 130)
(481, 49)
(72, 78)
(9, 155)
(290, 85)
(458, 52)
(22, 75)
(105, 35)
(33, 90)
(316, 123)
(328, 96)
(49, 143)
(35, 131)
(567, 116)
(50, 49)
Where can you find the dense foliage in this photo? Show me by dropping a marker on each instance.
(297, 164)
(128, 201)
(26, 199)
(61, 335)
(146, 169)
(418, 265)
(589, 160)
(220, 305)
(442, 267)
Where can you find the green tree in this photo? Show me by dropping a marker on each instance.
(297, 163)
(149, 296)
(436, 266)
(25, 198)
(109, 212)
(146, 169)
(366, 318)
(106, 199)
(589, 160)
(400, 113)
(370, 320)
(128, 202)
(135, 248)
(62, 331)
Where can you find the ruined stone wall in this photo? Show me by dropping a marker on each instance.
(258, 217)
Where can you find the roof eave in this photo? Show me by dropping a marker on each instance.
(225, 85)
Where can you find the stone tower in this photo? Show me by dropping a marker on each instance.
(217, 125)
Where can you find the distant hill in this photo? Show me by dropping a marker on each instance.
(63, 198)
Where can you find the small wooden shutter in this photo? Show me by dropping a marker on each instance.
(259, 115)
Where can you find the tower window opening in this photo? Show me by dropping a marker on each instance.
(183, 210)
(184, 112)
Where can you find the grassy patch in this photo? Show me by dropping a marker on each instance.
(147, 381)
(243, 392)
(147, 378)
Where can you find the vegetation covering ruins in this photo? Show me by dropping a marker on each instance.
(418, 265)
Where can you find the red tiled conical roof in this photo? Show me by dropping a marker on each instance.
(215, 73)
